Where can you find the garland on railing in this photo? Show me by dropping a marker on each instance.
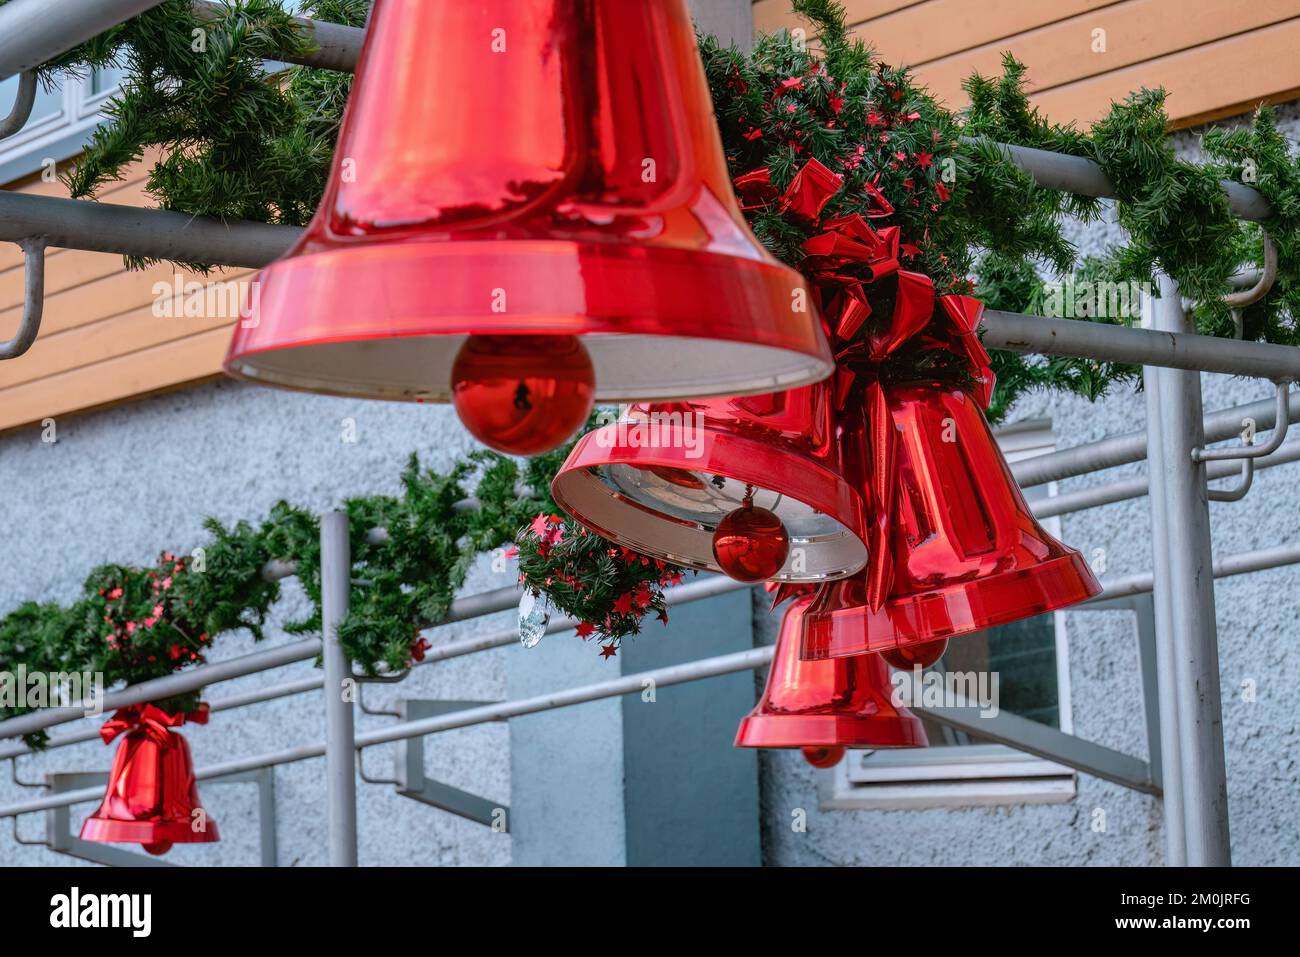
(133, 623)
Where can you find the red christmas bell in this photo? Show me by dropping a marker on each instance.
(542, 169)
(665, 478)
(824, 705)
(960, 550)
(152, 797)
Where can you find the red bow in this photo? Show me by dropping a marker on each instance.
(784, 591)
(845, 257)
(950, 327)
(151, 719)
(808, 193)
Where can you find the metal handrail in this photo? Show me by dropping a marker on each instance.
(1127, 586)
(33, 300)
(24, 100)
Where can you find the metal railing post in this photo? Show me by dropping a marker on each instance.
(1190, 594)
(340, 737)
(1170, 762)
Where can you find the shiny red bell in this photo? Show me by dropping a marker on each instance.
(664, 477)
(152, 796)
(549, 168)
(962, 551)
(821, 705)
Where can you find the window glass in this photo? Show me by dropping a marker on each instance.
(105, 79)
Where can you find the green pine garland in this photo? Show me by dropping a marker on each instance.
(132, 624)
(608, 589)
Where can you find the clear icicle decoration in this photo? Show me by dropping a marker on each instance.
(534, 616)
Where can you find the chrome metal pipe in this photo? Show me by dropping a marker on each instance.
(34, 31)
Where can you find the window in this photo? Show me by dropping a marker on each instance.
(60, 124)
(1031, 658)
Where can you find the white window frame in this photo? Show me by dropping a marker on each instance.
(966, 775)
(57, 137)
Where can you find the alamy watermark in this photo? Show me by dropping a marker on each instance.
(189, 299)
(33, 690)
(656, 430)
(946, 689)
(1085, 299)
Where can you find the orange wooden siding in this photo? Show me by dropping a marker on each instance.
(100, 342)
(1215, 57)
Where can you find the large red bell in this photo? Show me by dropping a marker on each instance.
(961, 550)
(662, 479)
(152, 796)
(826, 705)
(550, 168)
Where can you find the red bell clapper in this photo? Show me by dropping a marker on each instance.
(961, 550)
(750, 544)
(824, 757)
(664, 479)
(152, 796)
(520, 394)
(542, 169)
(908, 657)
(822, 706)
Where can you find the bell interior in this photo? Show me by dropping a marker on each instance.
(674, 520)
(628, 367)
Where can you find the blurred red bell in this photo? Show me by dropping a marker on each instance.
(550, 168)
(964, 551)
(663, 478)
(152, 796)
(822, 705)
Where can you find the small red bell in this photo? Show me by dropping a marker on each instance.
(822, 705)
(548, 168)
(964, 551)
(665, 477)
(152, 796)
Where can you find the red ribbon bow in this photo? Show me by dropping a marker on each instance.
(956, 320)
(846, 256)
(151, 719)
(784, 591)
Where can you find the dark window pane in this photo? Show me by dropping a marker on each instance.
(1023, 655)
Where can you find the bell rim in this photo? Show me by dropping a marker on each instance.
(110, 831)
(825, 730)
(310, 323)
(587, 500)
(1046, 587)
